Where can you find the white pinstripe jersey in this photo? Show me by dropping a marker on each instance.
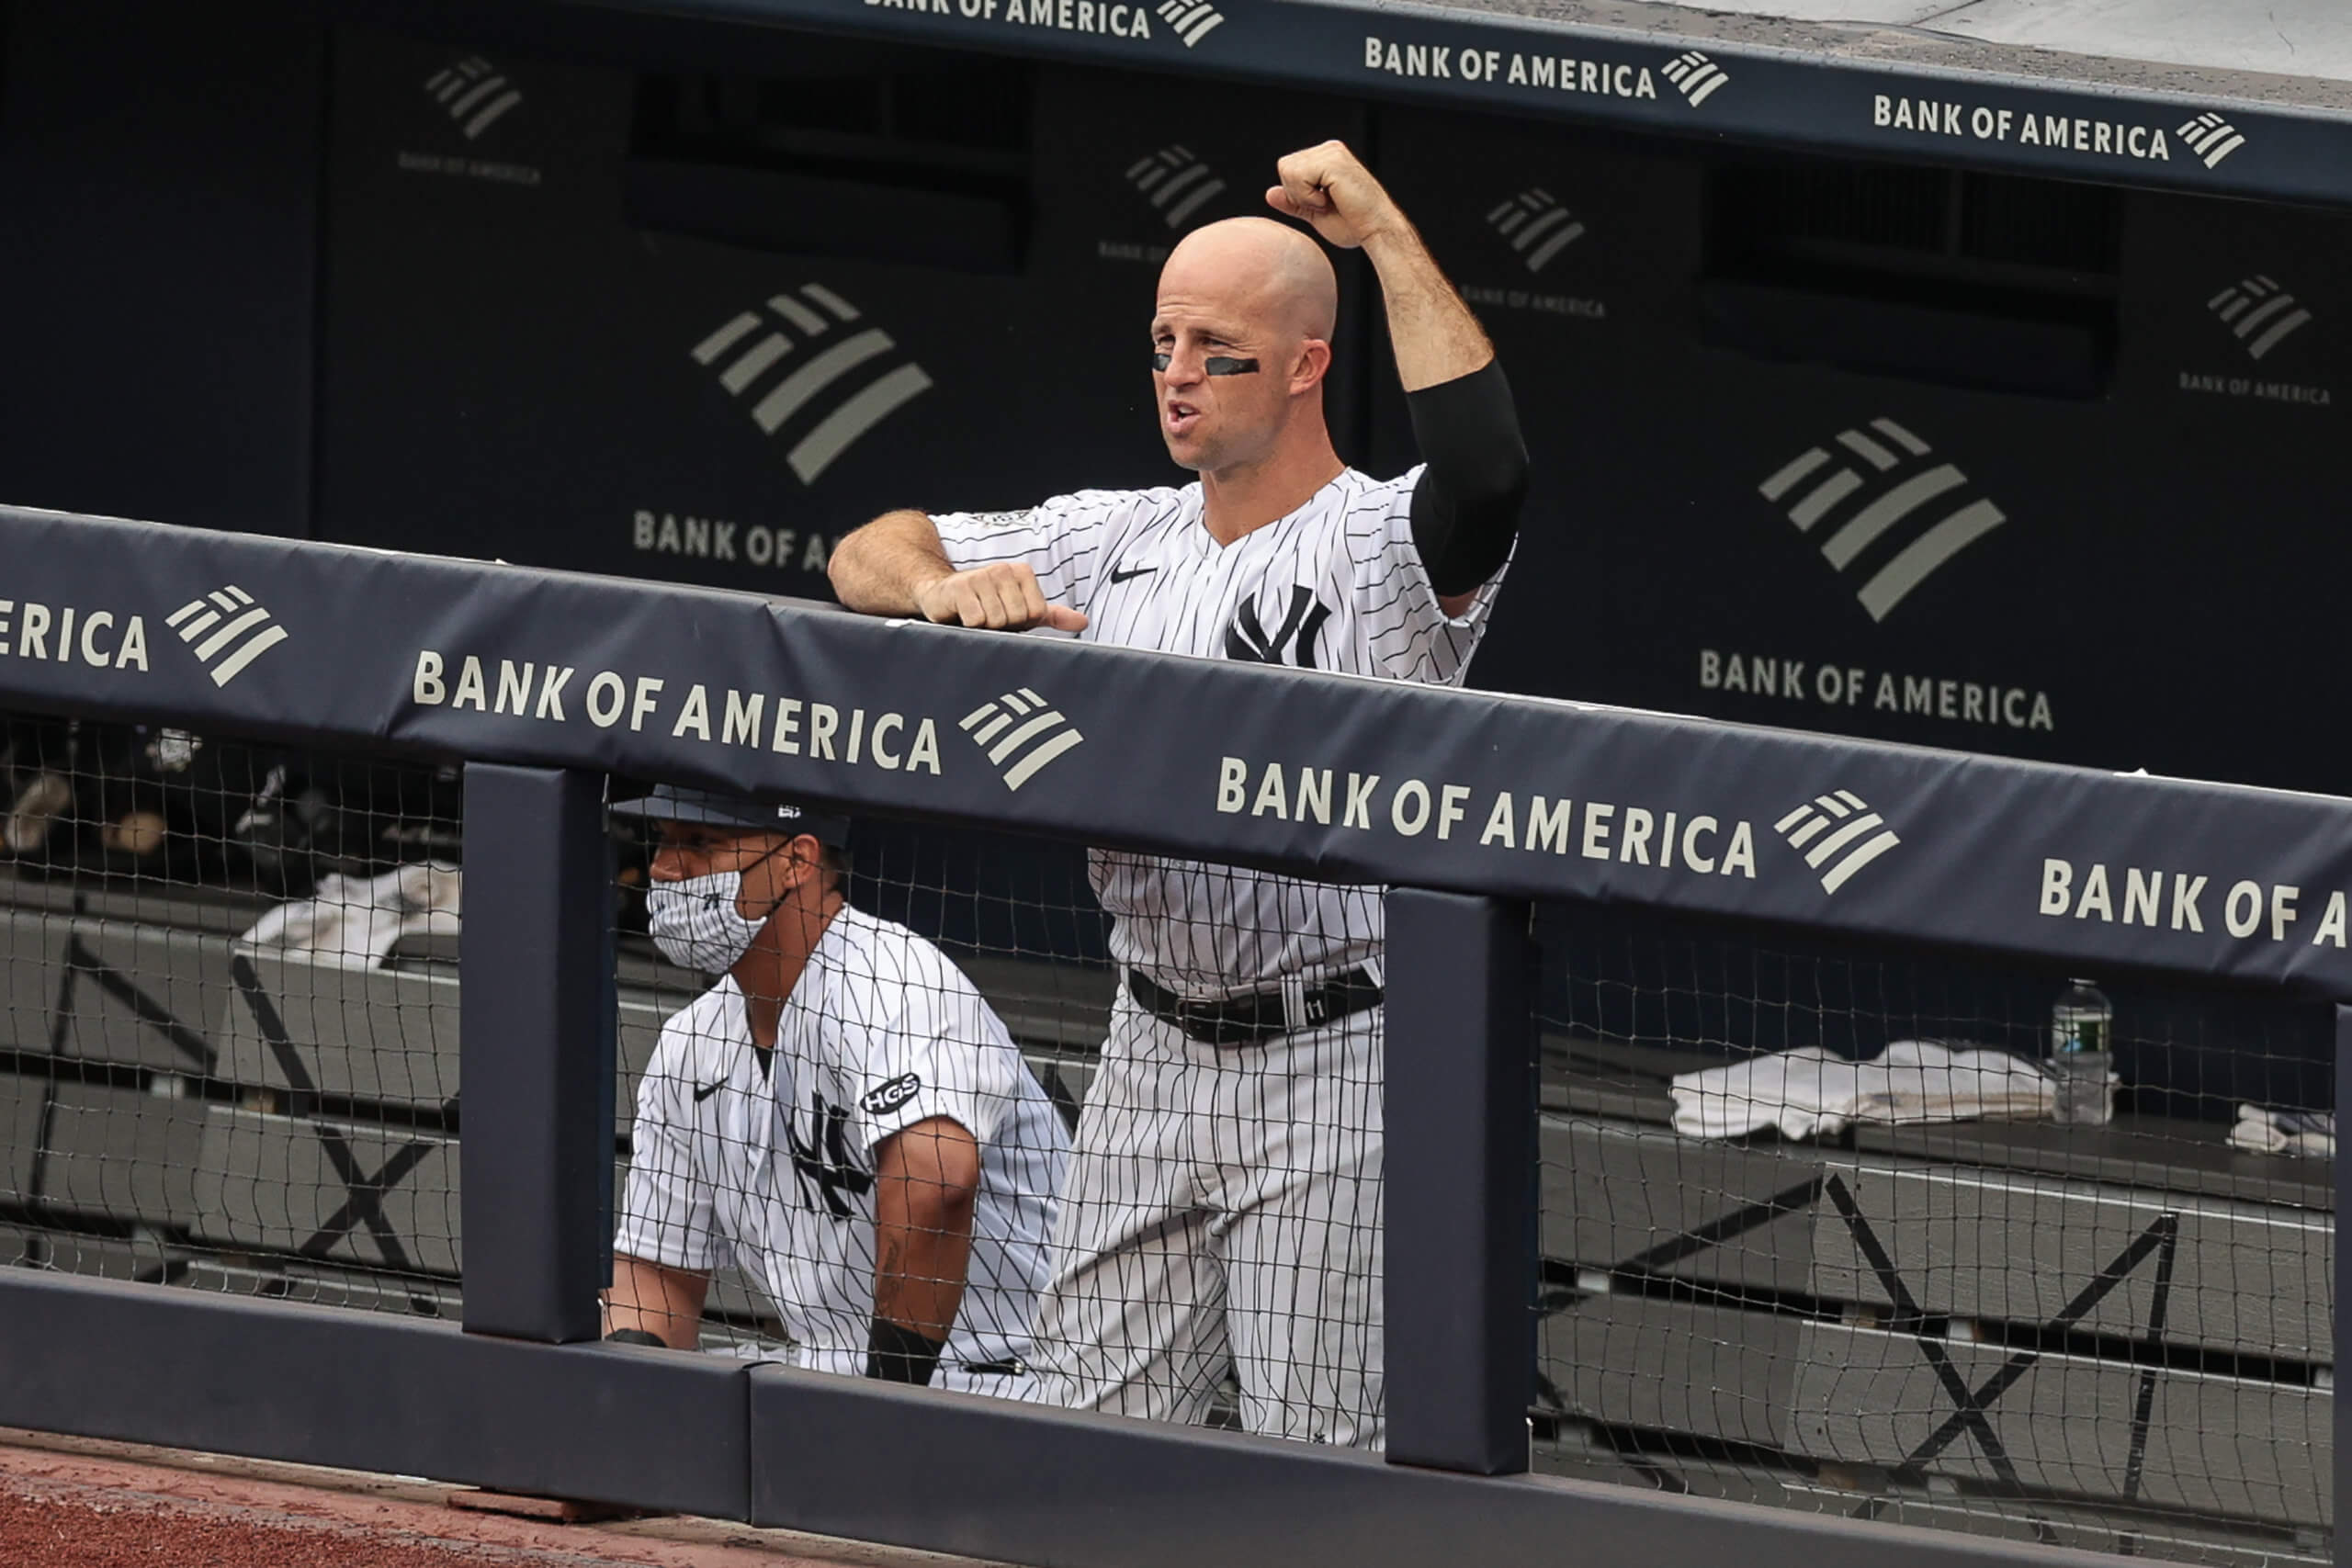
(1338, 584)
(773, 1171)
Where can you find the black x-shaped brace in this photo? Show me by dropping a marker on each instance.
(1971, 1407)
(81, 962)
(1726, 1227)
(363, 1192)
(189, 1042)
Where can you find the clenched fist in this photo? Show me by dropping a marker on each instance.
(1328, 188)
(1002, 596)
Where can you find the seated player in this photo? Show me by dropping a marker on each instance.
(842, 1116)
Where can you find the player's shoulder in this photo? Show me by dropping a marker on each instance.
(705, 1029)
(885, 968)
(1360, 495)
(1369, 514)
(1116, 507)
(870, 952)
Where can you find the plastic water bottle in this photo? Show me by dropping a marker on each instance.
(2082, 1055)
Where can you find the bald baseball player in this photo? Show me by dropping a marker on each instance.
(1224, 1203)
(842, 1116)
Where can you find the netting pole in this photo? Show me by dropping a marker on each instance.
(536, 1027)
(2338, 1398)
(1459, 1120)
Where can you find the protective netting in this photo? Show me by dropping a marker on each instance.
(1209, 1250)
(1815, 1235)
(229, 1051)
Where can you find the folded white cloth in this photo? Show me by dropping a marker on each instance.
(1813, 1091)
(353, 922)
(2263, 1130)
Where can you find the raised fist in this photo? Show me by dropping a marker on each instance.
(1328, 188)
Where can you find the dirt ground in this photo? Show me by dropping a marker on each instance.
(74, 1503)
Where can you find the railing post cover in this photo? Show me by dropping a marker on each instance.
(1460, 1121)
(536, 1023)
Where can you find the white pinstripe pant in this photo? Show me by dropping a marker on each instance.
(1223, 1207)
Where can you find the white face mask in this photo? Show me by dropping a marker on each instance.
(699, 924)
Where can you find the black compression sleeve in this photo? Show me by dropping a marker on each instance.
(1466, 508)
(897, 1354)
(634, 1336)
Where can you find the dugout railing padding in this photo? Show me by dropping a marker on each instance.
(1468, 804)
(1686, 70)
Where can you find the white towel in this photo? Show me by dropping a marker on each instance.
(2263, 1130)
(1811, 1092)
(353, 922)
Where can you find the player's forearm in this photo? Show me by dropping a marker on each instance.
(920, 1264)
(1435, 336)
(926, 1186)
(882, 568)
(663, 1301)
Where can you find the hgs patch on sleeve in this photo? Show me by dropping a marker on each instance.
(883, 1099)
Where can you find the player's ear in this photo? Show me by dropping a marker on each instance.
(1314, 362)
(808, 857)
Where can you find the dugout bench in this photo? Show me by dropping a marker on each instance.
(1742, 1319)
(1903, 1323)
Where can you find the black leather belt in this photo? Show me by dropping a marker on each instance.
(1259, 1016)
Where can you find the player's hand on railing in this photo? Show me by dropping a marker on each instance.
(1327, 186)
(1002, 596)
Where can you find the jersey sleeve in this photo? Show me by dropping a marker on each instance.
(938, 1050)
(1410, 634)
(667, 1208)
(1062, 541)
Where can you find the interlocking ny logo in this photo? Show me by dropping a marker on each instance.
(1245, 637)
(240, 631)
(1020, 733)
(2258, 305)
(474, 94)
(1696, 75)
(2212, 138)
(1192, 19)
(1887, 498)
(809, 384)
(821, 1160)
(1842, 832)
(1533, 216)
(1176, 181)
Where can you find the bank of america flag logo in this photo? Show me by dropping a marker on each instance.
(807, 336)
(1175, 182)
(2259, 306)
(1878, 501)
(1695, 75)
(1838, 834)
(1021, 733)
(2212, 138)
(1192, 19)
(474, 92)
(226, 630)
(1538, 227)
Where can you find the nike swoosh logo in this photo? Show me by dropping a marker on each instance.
(1118, 576)
(703, 1091)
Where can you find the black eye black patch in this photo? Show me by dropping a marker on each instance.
(1215, 365)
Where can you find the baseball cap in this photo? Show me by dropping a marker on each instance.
(670, 803)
